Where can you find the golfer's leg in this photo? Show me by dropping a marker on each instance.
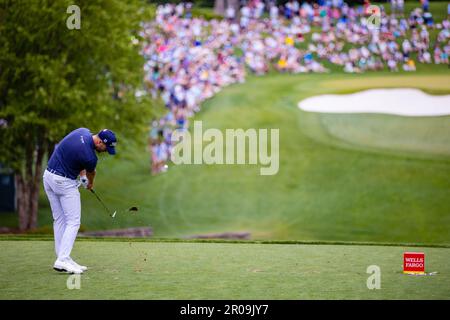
(59, 222)
(71, 205)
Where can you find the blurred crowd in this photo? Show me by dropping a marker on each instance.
(190, 59)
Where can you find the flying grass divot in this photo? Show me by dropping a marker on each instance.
(132, 210)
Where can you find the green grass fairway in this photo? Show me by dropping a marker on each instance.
(363, 177)
(158, 270)
(360, 177)
(352, 191)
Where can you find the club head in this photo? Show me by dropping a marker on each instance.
(133, 209)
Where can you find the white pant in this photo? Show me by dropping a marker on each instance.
(65, 203)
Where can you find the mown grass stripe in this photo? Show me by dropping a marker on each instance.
(304, 242)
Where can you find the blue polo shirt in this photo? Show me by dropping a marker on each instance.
(74, 153)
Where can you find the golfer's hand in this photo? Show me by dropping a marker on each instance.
(84, 181)
(90, 185)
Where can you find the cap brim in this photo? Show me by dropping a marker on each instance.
(111, 150)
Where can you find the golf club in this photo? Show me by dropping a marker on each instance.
(106, 208)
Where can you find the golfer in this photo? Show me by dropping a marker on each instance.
(74, 156)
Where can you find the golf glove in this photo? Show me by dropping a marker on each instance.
(84, 181)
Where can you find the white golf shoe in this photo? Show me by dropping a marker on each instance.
(66, 266)
(83, 268)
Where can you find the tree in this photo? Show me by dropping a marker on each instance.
(54, 79)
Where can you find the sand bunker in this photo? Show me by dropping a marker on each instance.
(404, 102)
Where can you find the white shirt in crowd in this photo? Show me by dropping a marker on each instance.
(231, 13)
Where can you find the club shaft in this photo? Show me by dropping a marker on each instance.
(104, 206)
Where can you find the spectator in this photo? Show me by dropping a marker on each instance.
(189, 60)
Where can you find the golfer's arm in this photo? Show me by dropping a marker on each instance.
(90, 176)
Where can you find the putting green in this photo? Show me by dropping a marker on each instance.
(155, 270)
(419, 137)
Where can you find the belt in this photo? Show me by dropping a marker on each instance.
(57, 173)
